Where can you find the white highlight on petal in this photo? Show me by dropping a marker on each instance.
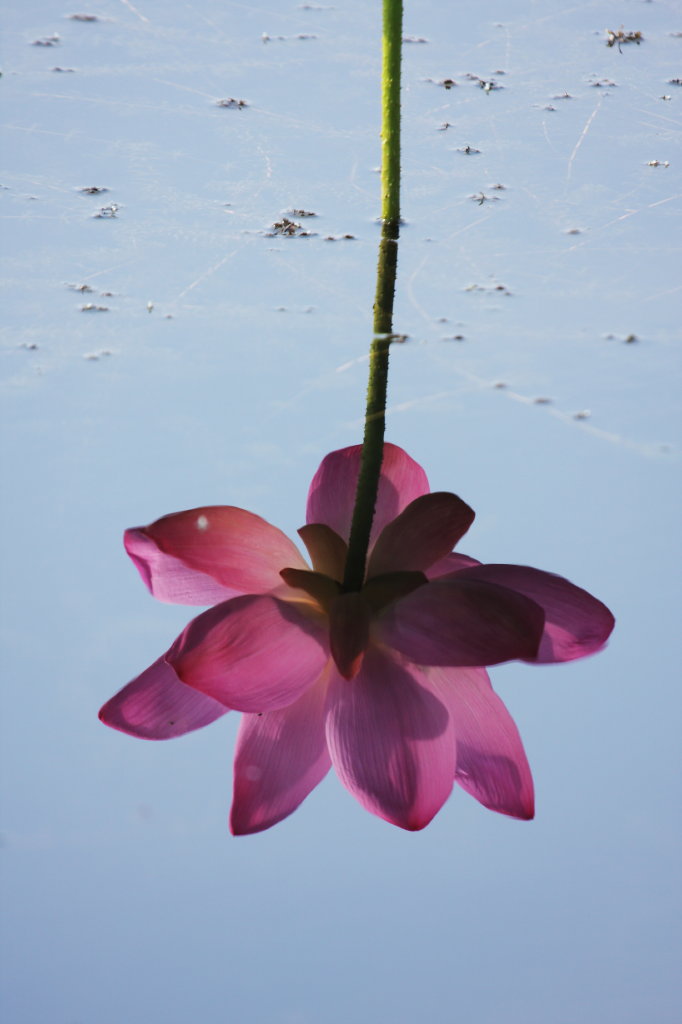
(202, 523)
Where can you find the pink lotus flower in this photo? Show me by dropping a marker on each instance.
(388, 685)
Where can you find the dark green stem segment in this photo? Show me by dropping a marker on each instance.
(375, 416)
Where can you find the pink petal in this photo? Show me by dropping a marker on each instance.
(444, 567)
(462, 622)
(280, 757)
(576, 624)
(209, 554)
(157, 706)
(491, 761)
(332, 492)
(252, 653)
(424, 532)
(391, 741)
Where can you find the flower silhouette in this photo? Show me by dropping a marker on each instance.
(387, 684)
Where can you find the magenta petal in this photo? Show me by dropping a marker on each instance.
(424, 532)
(332, 492)
(253, 653)
(391, 742)
(462, 622)
(280, 757)
(445, 567)
(209, 554)
(576, 624)
(157, 706)
(491, 761)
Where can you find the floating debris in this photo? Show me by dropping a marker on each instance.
(230, 103)
(604, 83)
(64, 71)
(620, 37)
(444, 126)
(658, 163)
(498, 188)
(488, 288)
(675, 81)
(454, 337)
(338, 238)
(82, 17)
(301, 35)
(490, 85)
(582, 414)
(90, 307)
(94, 356)
(150, 307)
(82, 288)
(541, 400)
(30, 346)
(414, 39)
(468, 150)
(562, 96)
(93, 190)
(288, 228)
(302, 213)
(47, 41)
(482, 198)
(447, 83)
(548, 106)
(573, 231)
(500, 385)
(107, 212)
(631, 339)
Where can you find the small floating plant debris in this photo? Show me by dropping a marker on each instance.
(658, 163)
(289, 229)
(64, 71)
(53, 40)
(620, 37)
(500, 288)
(542, 400)
(94, 356)
(603, 83)
(266, 38)
(230, 103)
(675, 81)
(414, 39)
(338, 238)
(468, 150)
(84, 289)
(454, 337)
(30, 346)
(498, 187)
(107, 212)
(93, 190)
(301, 213)
(563, 96)
(447, 83)
(82, 17)
(573, 231)
(91, 307)
(482, 198)
(444, 126)
(582, 414)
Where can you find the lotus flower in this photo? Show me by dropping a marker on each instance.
(387, 684)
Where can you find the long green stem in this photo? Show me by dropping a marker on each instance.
(375, 415)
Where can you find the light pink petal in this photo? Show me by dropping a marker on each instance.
(391, 742)
(280, 757)
(462, 622)
(576, 624)
(157, 706)
(444, 567)
(207, 555)
(424, 532)
(491, 761)
(253, 653)
(332, 492)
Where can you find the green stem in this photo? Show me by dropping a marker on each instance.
(375, 416)
(391, 53)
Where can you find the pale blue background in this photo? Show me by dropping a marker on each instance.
(125, 898)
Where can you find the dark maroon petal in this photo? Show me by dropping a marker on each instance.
(576, 624)
(462, 623)
(426, 531)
